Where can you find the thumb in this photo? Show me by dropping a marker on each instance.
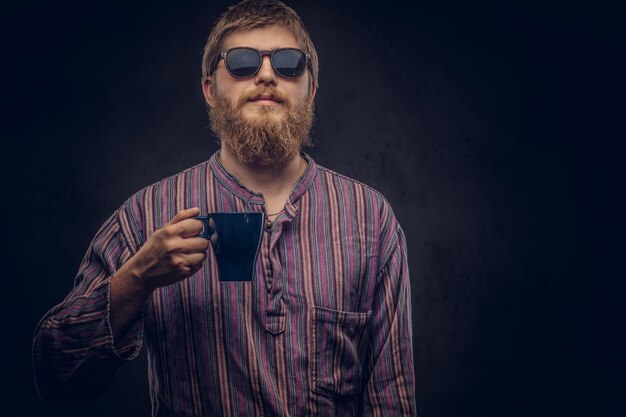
(185, 214)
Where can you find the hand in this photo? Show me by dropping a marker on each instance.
(172, 253)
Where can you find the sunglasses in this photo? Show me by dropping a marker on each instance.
(244, 62)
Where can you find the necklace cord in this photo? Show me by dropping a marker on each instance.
(274, 214)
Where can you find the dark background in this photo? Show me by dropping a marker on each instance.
(496, 132)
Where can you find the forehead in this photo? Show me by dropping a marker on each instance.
(266, 38)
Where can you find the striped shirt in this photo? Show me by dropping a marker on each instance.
(323, 329)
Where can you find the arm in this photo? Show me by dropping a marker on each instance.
(390, 387)
(81, 342)
(73, 351)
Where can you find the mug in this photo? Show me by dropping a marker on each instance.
(236, 239)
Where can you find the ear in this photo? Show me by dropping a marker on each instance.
(207, 90)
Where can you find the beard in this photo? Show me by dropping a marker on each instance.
(271, 137)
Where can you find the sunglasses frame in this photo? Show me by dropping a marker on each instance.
(262, 53)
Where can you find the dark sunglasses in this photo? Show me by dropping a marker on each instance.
(244, 62)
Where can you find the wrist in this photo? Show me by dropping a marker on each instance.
(132, 281)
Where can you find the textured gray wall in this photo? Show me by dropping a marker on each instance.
(497, 134)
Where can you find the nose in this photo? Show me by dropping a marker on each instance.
(266, 74)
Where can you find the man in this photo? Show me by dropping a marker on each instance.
(323, 329)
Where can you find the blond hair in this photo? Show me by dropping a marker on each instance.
(250, 14)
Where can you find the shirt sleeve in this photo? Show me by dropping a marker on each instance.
(74, 355)
(390, 387)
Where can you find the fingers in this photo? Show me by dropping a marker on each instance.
(183, 224)
(214, 239)
(185, 214)
(189, 227)
(179, 245)
(195, 259)
(194, 244)
(213, 230)
(189, 264)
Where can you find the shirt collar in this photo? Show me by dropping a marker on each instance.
(233, 185)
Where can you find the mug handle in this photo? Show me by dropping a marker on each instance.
(206, 232)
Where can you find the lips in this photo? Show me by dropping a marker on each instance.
(266, 97)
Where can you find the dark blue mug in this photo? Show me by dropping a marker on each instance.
(236, 239)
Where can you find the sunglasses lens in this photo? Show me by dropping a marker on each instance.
(289, 63)
(243, 62)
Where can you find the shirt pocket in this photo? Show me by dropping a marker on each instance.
(338, 351)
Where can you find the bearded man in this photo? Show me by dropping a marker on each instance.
(324, 327)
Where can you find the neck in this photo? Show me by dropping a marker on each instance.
(269, 181)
